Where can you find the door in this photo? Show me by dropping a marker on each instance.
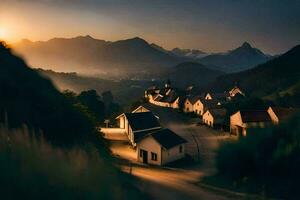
(145, 156)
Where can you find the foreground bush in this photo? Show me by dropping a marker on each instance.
(30, 168)
(266, 161)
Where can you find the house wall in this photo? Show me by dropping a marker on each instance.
(208, 119)
(150, 145)
(172, 154)
(175, 104)
(122, 121)
(236, 124)
(198, 107)
(273, 116)
(188, 106)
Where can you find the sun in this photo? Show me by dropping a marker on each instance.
(3, 34)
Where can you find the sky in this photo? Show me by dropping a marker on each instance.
(208, 25)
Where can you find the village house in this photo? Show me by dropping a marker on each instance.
(164, 97)
(242, 120)
(279, 114)
(235, 91)
(160, 147)
(193, 104)
(138, 124)
(215, 117)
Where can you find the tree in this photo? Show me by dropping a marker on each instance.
(93, 102)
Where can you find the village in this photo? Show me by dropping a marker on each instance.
(155, 144)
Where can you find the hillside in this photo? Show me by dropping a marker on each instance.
(190, 73)
(124, 91)
(239, 59)
(274, 76)
(27, 98)
(88, 55)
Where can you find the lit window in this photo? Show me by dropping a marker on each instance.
(153, 156)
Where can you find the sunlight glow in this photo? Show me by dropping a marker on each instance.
(3, 34)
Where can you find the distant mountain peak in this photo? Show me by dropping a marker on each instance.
(246, 45)
(84, 37)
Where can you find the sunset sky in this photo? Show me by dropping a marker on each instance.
(209, 25)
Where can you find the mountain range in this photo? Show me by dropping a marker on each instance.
(279, 76)
(85, 54)
(88, 55)
(239, 59)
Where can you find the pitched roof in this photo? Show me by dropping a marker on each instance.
(255, 116)
(219, 114)
(142, 121)
(167, 138)
(210, 104)
(170, 98)
(283, 113)
(141, 134)
(194, 99)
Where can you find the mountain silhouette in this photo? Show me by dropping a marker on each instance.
(88, 55)
(239, 59)
(274, 76)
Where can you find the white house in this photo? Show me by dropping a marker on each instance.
(138, 124)
(160, 147)
(164, 97)
(244, 119)
(214, 117)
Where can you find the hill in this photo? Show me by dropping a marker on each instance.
(124, 91)
(27, 98)
(277, 75)
(88, 55)
(191, 73)
(239, 59)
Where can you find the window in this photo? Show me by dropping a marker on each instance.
(153, 156)
(141, 152)
(180, 149)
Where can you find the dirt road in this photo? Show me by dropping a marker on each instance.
(175, 182)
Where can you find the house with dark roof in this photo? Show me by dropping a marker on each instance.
(214, 117)
(242, 120)
(279, 114)
(160, 147)
(164, 97)
(138, 124)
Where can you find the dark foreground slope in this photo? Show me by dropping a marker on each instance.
(27, 98)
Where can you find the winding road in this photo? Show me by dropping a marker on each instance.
(176, 182)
